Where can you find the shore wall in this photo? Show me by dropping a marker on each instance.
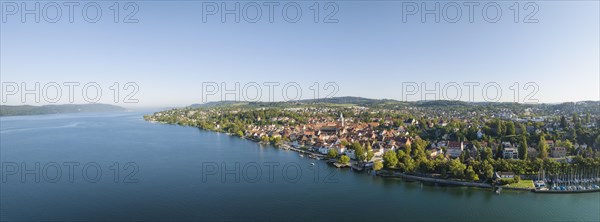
(567, 191)
(435, 180)
(518, 188)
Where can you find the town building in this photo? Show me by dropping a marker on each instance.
(510, 153)
(454, 149)
(558, 152)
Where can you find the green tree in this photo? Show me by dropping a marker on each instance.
(400, 154)
(457, 168)
(345, 143)
(276, 140)
(523, 148)
(378, 165)
(487, 154)
(488, 170)
(344, 159)
(359, 152)
(510, 128)
(563, 122)
(471, 175)
(425, 165)
(370, 155)
(542, 148)
(408, 164)
(389, 159)
(572, 134)
(567, 144)
(332, 153)
(264, 139)
(408, 150)
(587, 118)
(523, 129)
(499, 129)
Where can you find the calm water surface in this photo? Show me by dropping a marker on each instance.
(165, 172)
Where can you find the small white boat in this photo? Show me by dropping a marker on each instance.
(301, 155)
(312, 164)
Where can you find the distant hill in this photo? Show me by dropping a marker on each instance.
(54, 109)
(583, 106)
(442, 103)
(334, 100)
(217, 103)
(349, 100)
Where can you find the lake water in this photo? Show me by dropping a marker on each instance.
(116, 166)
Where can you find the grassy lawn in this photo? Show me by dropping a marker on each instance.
(522, 184)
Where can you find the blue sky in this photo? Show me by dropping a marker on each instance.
(370, 52)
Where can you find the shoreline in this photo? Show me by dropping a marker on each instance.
(385, 173)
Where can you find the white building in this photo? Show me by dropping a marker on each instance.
(454, 149)
(511, 153)
(324, 150)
